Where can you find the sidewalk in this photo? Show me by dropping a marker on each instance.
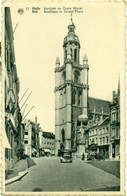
(20, 170)
(110, 166)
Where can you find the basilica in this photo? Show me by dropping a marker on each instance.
(75, 111)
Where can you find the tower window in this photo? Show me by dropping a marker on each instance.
(64, 75)
(65, 54)
(76, 77)
(73, 97)
(75, 55)
(79, 98)
(71, 54)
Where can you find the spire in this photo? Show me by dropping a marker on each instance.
(71, 27)
(118, 90)
(72, 23)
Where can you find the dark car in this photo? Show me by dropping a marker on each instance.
(66, 156)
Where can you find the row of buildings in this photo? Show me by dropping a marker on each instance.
(36, 141)
(103, 135)
(21, 137)
(83, 123)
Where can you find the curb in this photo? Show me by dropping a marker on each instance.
(20, 175)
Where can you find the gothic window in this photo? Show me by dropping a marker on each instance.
(75, 55)
(64, 75)
(76, 77)
(71, 54)
(73, 97)
(79, 98)
(63, 135)
(65, 54)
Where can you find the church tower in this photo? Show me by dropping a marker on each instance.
(71, 91)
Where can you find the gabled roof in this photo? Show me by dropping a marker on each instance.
(98, 105)
(104, 122)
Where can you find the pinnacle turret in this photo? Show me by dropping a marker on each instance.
(85, 59)
(57, 61)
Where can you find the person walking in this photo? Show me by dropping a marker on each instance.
(83, 156)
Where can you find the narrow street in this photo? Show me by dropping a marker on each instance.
(51, 175)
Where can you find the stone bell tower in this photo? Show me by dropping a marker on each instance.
(71, 91)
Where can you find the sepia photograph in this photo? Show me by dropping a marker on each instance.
(63, 73)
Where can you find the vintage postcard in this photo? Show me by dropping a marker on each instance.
(63, 98)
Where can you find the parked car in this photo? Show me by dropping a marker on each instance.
(66, 156)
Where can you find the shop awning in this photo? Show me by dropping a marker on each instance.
(92, 147)
(46, 150)
(6, 143)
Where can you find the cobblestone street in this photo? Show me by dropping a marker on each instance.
(50, 175)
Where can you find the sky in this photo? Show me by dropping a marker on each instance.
(38, 40)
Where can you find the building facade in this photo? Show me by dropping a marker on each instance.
(115, 125)
(71, 91)
(32, 138)
(48, 142)
(13, 119)
(28, 138)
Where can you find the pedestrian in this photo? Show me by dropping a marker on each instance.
(83, 156)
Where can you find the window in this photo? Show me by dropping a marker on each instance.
(100, 140)
(106, 130)
(75, 55)
(64, 75)
(26, 141)
(26, 132)
(113, 132)
(106, 139)
(76, 77)
(79, 98)
(65, 54)
(103, 140)
(113, 116)
(116, 132)
(6, 153)
(73, 97)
